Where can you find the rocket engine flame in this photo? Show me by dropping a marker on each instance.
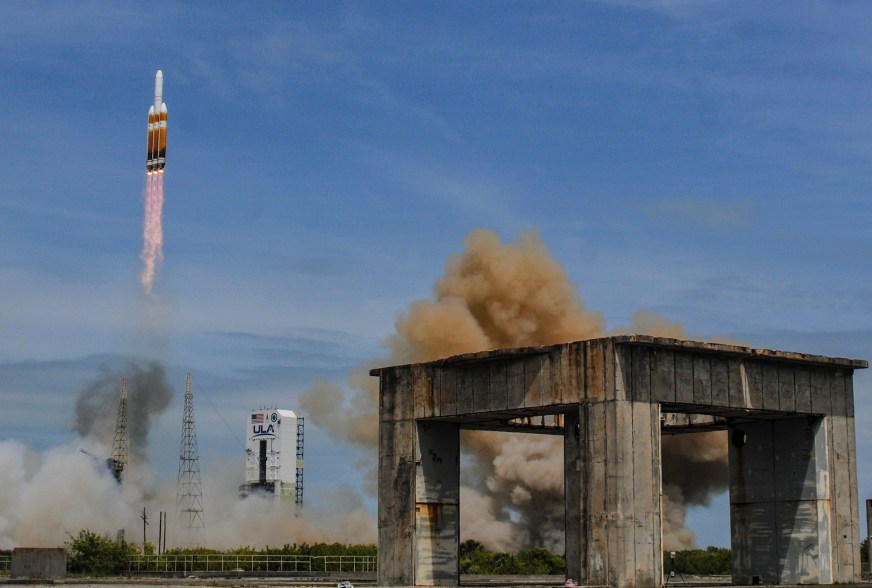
(152, 230)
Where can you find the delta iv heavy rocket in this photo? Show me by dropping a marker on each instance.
(156, 152)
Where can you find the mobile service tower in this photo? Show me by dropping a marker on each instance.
(274, 455)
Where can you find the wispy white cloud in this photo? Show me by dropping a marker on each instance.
(719, 214)
(476, 198)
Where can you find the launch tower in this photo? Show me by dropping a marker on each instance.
(274, 455)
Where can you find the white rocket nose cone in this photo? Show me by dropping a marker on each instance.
(158, 90)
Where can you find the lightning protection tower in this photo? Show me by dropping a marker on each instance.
(117, 463)
(189, 494)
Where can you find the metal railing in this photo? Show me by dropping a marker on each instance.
(250, 564)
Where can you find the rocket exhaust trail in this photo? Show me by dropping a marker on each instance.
(152, 230)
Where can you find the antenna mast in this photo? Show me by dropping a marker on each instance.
(189, 494)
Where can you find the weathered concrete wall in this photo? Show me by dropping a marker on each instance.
(396, 480)
(844, 500)
(613, 495)
(780, 503)
(611, 393)
(437, 503)
(707, 378)
(39, 563)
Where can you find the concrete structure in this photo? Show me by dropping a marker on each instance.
(793, 476)
(274, 454)
(39, 563)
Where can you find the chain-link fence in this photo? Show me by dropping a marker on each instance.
(253, 564)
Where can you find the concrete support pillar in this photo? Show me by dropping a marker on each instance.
(437, 504)
(869, 531)
(572, 489)
(396, 481)
(780, 514)
(844, 499)
(419, 492)
(396, 506)
(612, 477)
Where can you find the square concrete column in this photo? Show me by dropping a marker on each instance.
(612, 478)
(419, 491)
(396, 480)
(437, 504)
(780, 512)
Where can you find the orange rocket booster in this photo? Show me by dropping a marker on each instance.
(156, 148)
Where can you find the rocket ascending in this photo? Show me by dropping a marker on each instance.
(156, 152)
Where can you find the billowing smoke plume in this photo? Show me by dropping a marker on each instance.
(333, 515)
(148, 395)
(496, 295)
(152, 230)
(48, 497)
(694, 469)
(493, 296)
(45, 498)
(67, 490)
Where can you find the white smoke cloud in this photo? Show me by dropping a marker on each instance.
(45, 498)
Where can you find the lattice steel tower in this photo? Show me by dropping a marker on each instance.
(117, 463)
(189, 494)
(298, 493)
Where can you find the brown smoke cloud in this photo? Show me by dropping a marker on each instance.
(497, 295)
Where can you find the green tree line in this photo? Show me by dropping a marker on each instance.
(95, 555)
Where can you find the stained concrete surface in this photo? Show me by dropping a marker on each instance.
(465, 580)
(797, 522)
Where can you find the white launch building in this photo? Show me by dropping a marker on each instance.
(274, 454)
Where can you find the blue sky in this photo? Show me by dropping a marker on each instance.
(708, 161)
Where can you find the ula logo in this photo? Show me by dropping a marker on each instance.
(259, 431)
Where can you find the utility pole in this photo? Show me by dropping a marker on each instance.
(189, 495)
(161, 532)
(144, 518)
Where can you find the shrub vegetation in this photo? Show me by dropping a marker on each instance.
(475, 559)
(711, 561)
(93, 555)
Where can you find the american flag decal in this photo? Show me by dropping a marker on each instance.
(257, 418)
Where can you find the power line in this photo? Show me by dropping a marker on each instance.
(220, 416)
